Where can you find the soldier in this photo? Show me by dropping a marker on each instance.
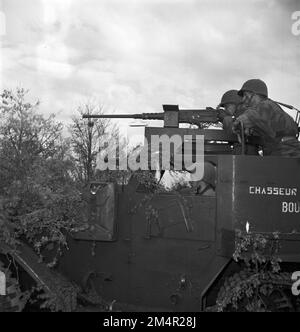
(265, 118)
(233, 108)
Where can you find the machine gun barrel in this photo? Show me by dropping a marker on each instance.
(171, 116)
(143, 116)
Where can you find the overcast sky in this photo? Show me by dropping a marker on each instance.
(134, 56)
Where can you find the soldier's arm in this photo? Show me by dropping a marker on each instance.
(261, 120)
(258, 119)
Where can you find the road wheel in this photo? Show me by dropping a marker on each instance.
(273, 293)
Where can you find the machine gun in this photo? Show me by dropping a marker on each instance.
(171, 116)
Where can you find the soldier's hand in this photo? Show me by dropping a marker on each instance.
(242, 119)
(236, 127)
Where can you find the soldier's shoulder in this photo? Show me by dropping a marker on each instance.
(268, 104)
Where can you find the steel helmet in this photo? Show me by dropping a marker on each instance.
(231, 97)
(255, 85)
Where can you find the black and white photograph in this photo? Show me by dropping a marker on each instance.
(149, 159)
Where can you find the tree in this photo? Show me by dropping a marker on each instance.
(38, 194)
(25, 136)
(88, 138)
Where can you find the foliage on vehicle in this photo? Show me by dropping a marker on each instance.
(260, 285)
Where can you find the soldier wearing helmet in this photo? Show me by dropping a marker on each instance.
(230, 100)
(231, 103)
(268, 120)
